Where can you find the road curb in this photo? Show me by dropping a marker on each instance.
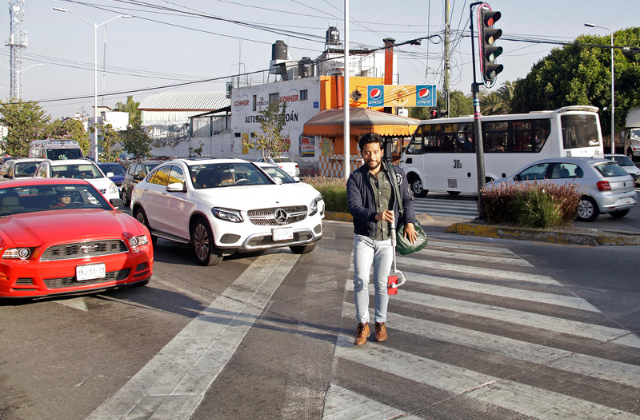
(593, 238)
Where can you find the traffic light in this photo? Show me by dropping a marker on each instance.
(434, 113)
(488, 51)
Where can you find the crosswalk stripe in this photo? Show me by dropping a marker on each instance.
(565, 360)
(413, 262)
(173, 383)
(527, 319)
(520, 398)
(342, 404)
(503, 292)
(429, 252)
(469, 247)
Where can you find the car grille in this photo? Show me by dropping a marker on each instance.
(267, 217)
(84, 250)
(71, 281)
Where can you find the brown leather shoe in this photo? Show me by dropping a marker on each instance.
(362, 333)
(381, 332)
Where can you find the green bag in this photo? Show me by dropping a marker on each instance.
(403, 246)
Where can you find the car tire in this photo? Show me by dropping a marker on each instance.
(141, 217)
(619, 213)
(417, 188)
(302, 249)
(453, 192)
(587, 209)
(125, 198)
(202, 242)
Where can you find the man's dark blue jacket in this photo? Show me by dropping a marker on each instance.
(362, 204)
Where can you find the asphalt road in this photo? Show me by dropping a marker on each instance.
(484, 328)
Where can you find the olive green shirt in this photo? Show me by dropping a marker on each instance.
(382, 191)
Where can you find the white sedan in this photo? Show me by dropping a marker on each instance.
(605, 186)
(284, 163)
(222, 206)
(80, 169)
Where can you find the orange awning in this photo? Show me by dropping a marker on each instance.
(330, 123)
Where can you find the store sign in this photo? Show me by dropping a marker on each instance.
(401, 95)
(307, 146)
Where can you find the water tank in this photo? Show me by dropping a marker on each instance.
(333, 36)
(306, 67)
(279, 51)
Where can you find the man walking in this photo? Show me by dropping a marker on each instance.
(374, 207)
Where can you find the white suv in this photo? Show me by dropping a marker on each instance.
(222, 206)
(80, 169)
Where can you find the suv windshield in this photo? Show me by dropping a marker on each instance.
(216, 175)
(83, 171)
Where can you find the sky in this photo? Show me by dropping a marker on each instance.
(186, 45)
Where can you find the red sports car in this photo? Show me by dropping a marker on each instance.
(61, 236)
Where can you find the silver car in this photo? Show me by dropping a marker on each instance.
(605, 186)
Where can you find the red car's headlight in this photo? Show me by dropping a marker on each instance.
(138, 242)
(17, 253)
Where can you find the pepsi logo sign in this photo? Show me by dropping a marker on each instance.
(424, 93)
(375, 93)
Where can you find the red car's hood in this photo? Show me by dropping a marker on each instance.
(34, 229)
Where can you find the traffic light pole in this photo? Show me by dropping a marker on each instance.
(477, 123)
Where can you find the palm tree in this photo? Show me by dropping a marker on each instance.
(131, 107)
(497, 102)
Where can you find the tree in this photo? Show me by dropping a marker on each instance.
(131, 106)
(25, 122)
(459, 104)
(69, 129)
(136, 140)
(195, 151)
(110, 143)
(270, 140)
(578, 74)
(497, 101)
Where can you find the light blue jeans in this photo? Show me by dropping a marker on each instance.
(368, 252)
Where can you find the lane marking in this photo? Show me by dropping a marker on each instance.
(342, 404)
(173, 383)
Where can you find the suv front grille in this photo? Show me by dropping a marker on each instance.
(267, 217)
(84, 250)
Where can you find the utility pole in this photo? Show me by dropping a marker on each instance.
(447, 62)
(17, 42)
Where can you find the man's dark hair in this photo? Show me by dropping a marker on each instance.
(370, 138)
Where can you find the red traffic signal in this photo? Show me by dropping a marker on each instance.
(488, 35)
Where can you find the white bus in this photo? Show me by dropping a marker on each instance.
(441, 154)
(55, 149)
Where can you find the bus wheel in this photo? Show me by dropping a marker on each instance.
(588, 209)
(416, 188)
(453, 192)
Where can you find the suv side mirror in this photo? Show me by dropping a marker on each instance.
(176, 187)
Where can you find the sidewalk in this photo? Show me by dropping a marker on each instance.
(572, 236)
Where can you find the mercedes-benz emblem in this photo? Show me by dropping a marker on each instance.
(281, 216)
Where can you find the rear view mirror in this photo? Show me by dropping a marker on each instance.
(176, 187)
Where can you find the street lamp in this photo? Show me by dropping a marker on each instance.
(613, 90)
(19, 87)
(95, 72)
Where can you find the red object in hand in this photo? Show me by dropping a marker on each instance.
(392, 289)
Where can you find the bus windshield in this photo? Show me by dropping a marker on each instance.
(62, 154)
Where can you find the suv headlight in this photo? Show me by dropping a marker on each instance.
(227, 215)
(313, 207)
(113, 189)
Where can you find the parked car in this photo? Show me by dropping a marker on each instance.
(276, 172)
(19, 168)
(136, 172)
(223, 206)
(285, 163)
(115, 172)
(82, 245)
(79, 169)
(605, 186)
(625, 163)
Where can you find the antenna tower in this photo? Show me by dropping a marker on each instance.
(17, 42)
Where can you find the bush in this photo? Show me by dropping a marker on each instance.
(333, 190)
(540, 204)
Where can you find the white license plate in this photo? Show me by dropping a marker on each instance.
(90, 272)
(282, 234)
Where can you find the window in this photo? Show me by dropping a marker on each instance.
(255, 102)
(304, 95)
(535, 172)
(274, 97)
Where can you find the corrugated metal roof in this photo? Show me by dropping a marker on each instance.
(185, 101)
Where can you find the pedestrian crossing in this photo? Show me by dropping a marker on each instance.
(476, 332)
(446, 207)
